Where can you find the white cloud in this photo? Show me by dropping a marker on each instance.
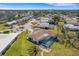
(5, 8)
(63, 4)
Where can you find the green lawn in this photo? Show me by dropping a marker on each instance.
(20, 46)
(3, 20)
(2, 27)
(60, 50)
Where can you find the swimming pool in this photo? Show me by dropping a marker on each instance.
(47, 43)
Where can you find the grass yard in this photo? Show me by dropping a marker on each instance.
(60, 50)
(2, 27)
(3, 20)
(20, 46)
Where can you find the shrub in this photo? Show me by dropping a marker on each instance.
(32, 51)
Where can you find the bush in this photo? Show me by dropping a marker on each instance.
(32, 51)
(75, 44)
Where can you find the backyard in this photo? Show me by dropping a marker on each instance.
(60, 50)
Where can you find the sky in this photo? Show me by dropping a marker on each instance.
(40, 6)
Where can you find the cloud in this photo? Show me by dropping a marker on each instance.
(41, 6)
(63, 4)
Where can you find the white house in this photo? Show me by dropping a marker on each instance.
(45, 25)
(71, 27)
(11, 22)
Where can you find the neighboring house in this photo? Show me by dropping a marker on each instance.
(71, 20)
(21, 15)
(46, 20)
(45, 25)
(71, 27)
(49, 15)
(11, 22)
(62, 16)
(42, 37)
(25, 18)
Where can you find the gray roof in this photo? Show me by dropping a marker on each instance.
(43, 20)
(45, 25)
(11, 22)
(71, 27)
(46, 20)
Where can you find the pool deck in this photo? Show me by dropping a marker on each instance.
(6, 40)
(44, 49)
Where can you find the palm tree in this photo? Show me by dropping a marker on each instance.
(32, 51)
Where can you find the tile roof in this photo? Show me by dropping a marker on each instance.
(41, 33)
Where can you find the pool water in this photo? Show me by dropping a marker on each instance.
(48, 42)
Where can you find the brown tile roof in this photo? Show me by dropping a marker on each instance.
(41, 33)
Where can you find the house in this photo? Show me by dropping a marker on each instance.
(21, 15)
(45, 25)
(49, 15)
(42, 37)
(71, 20)
(46, 20)
(62, 15)
(71, 27)
(11, 22)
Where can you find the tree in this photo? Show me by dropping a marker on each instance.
(30, 12)
(56, 19)
(75, 43)
(32, 51)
